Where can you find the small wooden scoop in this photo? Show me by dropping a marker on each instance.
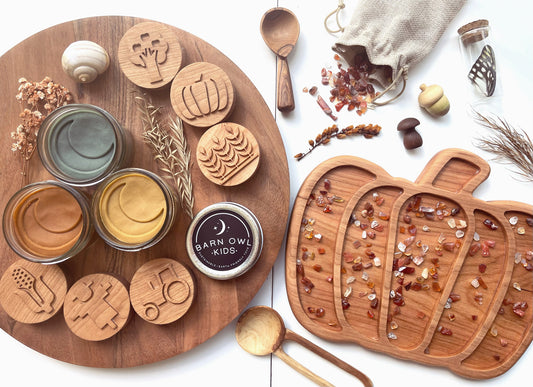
(260, 331)
(280, 30)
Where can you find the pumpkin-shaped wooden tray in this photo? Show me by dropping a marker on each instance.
(421, 271)
(217, 303)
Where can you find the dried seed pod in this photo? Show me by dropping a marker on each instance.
(432, 99)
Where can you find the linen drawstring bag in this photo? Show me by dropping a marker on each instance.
(395, 33)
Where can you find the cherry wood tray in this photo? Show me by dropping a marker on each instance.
(217, 303)
(350, 210)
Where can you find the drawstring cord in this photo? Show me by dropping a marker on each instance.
(336, 13)
(403, 74)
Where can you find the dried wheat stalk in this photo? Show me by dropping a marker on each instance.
(507, 144)
(170, 150)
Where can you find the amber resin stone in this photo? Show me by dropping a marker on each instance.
(150, 55)
(31, 292)
(162, 291)
(97, 307)
(202, 94)
(228, 154)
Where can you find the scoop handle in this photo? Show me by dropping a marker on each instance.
(301, 369)
(290, 335)
(285, 95)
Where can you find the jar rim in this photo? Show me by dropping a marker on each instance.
(50, 164)
(170, 200)
(78, 246)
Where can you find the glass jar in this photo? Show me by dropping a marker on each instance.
(480, 65)
(47, 222)
(133, 209)
(80, 144)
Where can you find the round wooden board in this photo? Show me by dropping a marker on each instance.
(217, 303)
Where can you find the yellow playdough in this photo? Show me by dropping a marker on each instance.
(133, 208)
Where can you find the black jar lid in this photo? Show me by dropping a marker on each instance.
(224, 240)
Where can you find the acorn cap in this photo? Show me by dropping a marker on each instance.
(429, 95)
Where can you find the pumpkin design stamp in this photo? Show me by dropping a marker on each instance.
(202, 94)
(32, 293)
(150, 55)
(162, 291)
(228, 154)
(97, 307)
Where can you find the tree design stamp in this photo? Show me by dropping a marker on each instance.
(150, 55)
(31, 292)
(228, 154)
(97, 307)
(202, 94)
(162, 291)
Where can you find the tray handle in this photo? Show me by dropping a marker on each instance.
(455, 170)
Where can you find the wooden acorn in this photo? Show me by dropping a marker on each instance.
(84, 60)
(432, 99)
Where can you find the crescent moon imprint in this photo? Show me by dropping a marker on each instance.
(223, 227)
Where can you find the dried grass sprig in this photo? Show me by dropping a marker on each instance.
(170, 149)
(367, 131)
(509, 145)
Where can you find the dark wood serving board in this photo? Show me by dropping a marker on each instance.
(217, 302)
(410, 267)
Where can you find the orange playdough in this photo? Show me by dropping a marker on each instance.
(48, 222)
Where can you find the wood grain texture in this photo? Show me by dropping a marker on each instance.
(32, 293)
(202, 94)
(162, 291)
(217, 302)
(285, 95)
(228, 154)
(97, 306)
(150, 55)
(384, 258)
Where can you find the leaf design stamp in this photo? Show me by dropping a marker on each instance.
(228, 154)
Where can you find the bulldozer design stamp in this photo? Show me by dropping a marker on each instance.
(162, 291)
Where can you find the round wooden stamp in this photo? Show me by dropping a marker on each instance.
(97, 307)
(150, 55)
(228, 154)
(162, 291)
(31, 292)
(202, 94)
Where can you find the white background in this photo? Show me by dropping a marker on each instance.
(233, 28)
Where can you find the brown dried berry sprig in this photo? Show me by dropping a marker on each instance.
(367, 131)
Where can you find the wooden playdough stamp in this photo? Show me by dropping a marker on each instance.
(162, 291)
(150, 55)
(202, 94)
(31, 292)
(228, 154)
(97, 307)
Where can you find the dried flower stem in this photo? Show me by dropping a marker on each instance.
(37, 99)
(170, 150)
(508, 145)
(367, 131)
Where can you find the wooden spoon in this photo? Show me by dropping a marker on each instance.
(260, 331)
(280, 30)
